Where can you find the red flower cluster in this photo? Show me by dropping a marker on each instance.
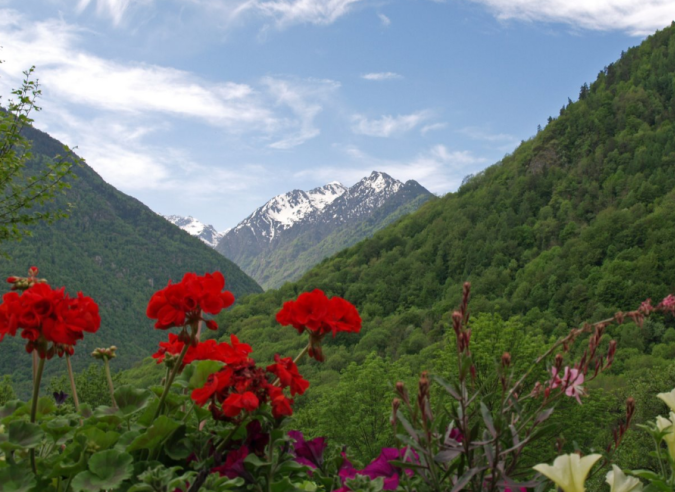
(319, 315)
(182, 303)
(48, 316)
(243, 386)
(234, 352)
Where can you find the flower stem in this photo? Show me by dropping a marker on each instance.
(301, 354)
(73, 388)
(111, 386)
(35, 364)
(34, 405)
(169, 380)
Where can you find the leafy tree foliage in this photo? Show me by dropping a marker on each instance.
(24, 188)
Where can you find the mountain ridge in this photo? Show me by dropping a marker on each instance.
(269, 244)
(194, 227)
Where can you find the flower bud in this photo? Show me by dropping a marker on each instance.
(395, 405)
(506, 360)
(402, 392)
(559, 362)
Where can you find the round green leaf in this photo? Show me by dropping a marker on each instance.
(107, 470)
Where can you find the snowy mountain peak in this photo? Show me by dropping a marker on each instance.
(325, 195)
(332, 202)
(194, 227)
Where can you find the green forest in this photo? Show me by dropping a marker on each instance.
(576, 224)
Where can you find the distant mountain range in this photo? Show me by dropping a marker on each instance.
(194, 227)
(292, 232)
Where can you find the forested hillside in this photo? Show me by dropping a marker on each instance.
(577, 223)
(114, 249)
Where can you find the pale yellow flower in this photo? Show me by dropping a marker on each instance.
(619, 482)
(667, 424)
(669, 399)
(569, 471)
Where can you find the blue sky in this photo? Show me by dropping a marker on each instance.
(211, 107)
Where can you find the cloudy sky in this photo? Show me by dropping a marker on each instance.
(211, 107)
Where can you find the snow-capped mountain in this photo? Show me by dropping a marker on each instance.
(284, 211)
(194, 227)
(283, 231)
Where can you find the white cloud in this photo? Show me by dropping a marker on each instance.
(287, 12)
(386, 21)
(115, 9)
(116, 150)
(381, 76)
(637, 17)
(387, 125)
(438, 169)
(283, 110)
(303, 99)
(70, 74)
(433, 127)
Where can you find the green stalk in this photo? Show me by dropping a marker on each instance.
(111, 386)
(34, 404)
(73, 388)
(169, 381)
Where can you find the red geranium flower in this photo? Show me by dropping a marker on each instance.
(182, 303)
(236, 402)
(49, 319)
(313, 311)
(246, 387)
(207, 350)
(287, 372)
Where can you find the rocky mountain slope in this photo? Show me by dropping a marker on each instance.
(195, 227)
(292, 232)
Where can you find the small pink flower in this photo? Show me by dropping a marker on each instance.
(570, 382)
(668, 304)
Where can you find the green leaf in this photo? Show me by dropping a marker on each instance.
(22, 435)
(108, 415)
(17, 479)
(103, 440)
(131, 400)
(10, 408)
(107, 470)
(57, 428)
(202, 370)
(178, 446)
(155, 434)
(72, 461)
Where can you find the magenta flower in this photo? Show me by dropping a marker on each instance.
(308, 453)
(379, 467)
(234, 465)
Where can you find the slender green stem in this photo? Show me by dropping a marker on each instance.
(187, 414)
(111, 386)
(34, 405)
(301, 354)
(169, 380)
(35, 364)
(73, 388)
